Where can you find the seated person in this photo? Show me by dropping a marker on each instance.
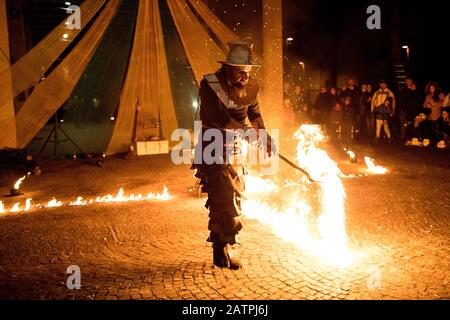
(419, 132)
(443, 132)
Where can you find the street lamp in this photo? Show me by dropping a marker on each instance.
(303, 66)
(407, 53)
(289, 40)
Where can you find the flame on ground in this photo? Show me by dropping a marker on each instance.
(310, 216)
(256, 184)
(374, 168)
(54, 203)
(28, 204)
(119, 197)
(15, 208)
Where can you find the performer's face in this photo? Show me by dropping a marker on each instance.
(238, 75)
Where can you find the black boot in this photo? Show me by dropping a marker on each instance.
(233, 263)
(220, 255)
(222, 258)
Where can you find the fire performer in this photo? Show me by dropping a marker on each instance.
(227, 98)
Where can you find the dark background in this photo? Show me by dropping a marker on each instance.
(331, 37)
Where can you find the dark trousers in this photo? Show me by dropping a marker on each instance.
(224, 187)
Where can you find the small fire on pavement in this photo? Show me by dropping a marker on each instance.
(119, 197)
(370, 163)
(374, 168)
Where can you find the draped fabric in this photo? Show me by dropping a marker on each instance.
(182, 82)
(201, 50)
(7, 120)
(91, 108)
(171, 52)
(146, 105)
(51, 93)
(166, 102)
(27, 72)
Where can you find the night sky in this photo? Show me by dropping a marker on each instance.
(328, 35)
(316, 24)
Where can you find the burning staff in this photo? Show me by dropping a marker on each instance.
(15, 189)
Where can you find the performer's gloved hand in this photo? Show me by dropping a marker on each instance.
(267, 143)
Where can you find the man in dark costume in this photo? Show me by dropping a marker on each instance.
(227, 98)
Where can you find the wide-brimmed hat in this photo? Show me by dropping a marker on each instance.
(240, 54)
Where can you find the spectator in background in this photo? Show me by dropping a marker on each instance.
(433, 102)
(333, 98)
(288, 114)
(409, 106)
(446, 102)
(367, 127)
(336, 118)
(381, 95)
(418, 134)
(321, 106)
(443, 133)
(348, 122)
(382, 114)
(364, 110)
(287, 91)
(378, 100)
(351, 91)
(300, 104)
(360, 112)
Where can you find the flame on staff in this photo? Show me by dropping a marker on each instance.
(18, 182)
(374, 168)
(308, 215)
(351, 154)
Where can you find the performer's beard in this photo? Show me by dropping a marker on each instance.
(240, 89)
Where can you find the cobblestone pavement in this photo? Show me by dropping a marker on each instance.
(397, 224)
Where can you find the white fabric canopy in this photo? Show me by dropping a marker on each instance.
(49, 95)
(27, 72)
(7, 120)
(146, 86)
